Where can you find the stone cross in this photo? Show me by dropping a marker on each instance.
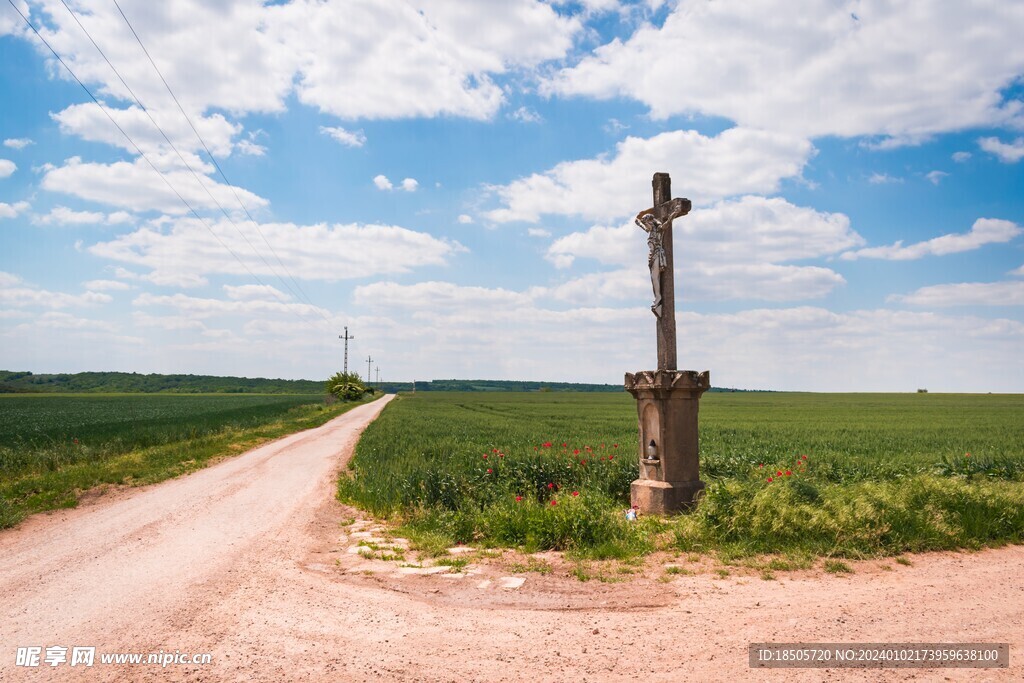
(657, 222)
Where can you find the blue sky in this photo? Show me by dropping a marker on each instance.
(455, 182)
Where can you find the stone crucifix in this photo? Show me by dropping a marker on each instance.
(667, 399)
(657, 223)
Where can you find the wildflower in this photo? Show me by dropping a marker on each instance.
(494, 450)
(967, 455)
(576, 451)
(789, 473)
(546, 444)
(770, 480)
(761, 466)
(575, 493)
(615, 445)
(554, 502)
(490, 471)
(583, 462)
(485, 456)
(75, 441)
(501, 455)
(610, 457)
(551, 485)
(779, 473)
(565, 445)
(518, 498)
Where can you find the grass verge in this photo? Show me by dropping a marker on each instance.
(48, 488)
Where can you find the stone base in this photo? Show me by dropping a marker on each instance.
(664, 497)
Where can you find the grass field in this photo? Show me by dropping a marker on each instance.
(860, 474)
(54, 447)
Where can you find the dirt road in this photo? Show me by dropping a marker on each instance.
(247, 561)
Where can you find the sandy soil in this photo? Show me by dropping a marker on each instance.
(253, 561)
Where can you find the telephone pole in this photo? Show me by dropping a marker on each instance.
(369, 360)
(346, 338)
(378, 377)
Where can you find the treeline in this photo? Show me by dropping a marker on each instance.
(507, 385)
(132, 382)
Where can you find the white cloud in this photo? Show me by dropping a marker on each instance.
(15, 292)
(1009, 293)
(383, 183)
(984, 231)
(62, 215)
(465, 219)
(88, 122)
(106, 285)
(1017, 271)
(1007, 153)
(736, 161)
(526, 115)
(17, 143)
(538, 232)
(183, 252)
(345, 137)
(137, 187)
(7, 168)
(734, 250)
(813, 68)
(935, 177)
(12, 210)
(255, 293)
(883, 179)
(250, 148)
(199, 308)
(961, 157)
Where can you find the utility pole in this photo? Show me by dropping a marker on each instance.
(346, 338)
(378, 377)
(369, 360)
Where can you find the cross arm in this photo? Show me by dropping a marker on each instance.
(668, 211)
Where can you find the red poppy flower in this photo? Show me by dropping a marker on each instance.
(966, 455)
(575, 451)
(485, 456)
(74, 440)
(779, 473)
(575, 493)
(565, 445)
(615, 445)
(518, 498)
(761, 466)
(789, 473)
(494, 450)
(490, 471)
(583, 462)
(770, 480)
(551, 486)
(554, 502)
(501, 455)
(609, 457)
(546, 444)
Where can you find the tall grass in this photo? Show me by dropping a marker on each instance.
(850, 474)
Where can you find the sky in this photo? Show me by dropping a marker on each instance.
(456, 182)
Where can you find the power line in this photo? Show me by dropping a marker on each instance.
(195, 175)
(212, 158)
(141, 153)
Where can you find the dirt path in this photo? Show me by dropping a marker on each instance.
(247, 561)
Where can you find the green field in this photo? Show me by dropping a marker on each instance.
(883, 474)
(54, 447)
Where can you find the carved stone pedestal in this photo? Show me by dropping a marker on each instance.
(666, 406)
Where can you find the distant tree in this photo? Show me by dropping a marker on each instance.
(347, 387)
